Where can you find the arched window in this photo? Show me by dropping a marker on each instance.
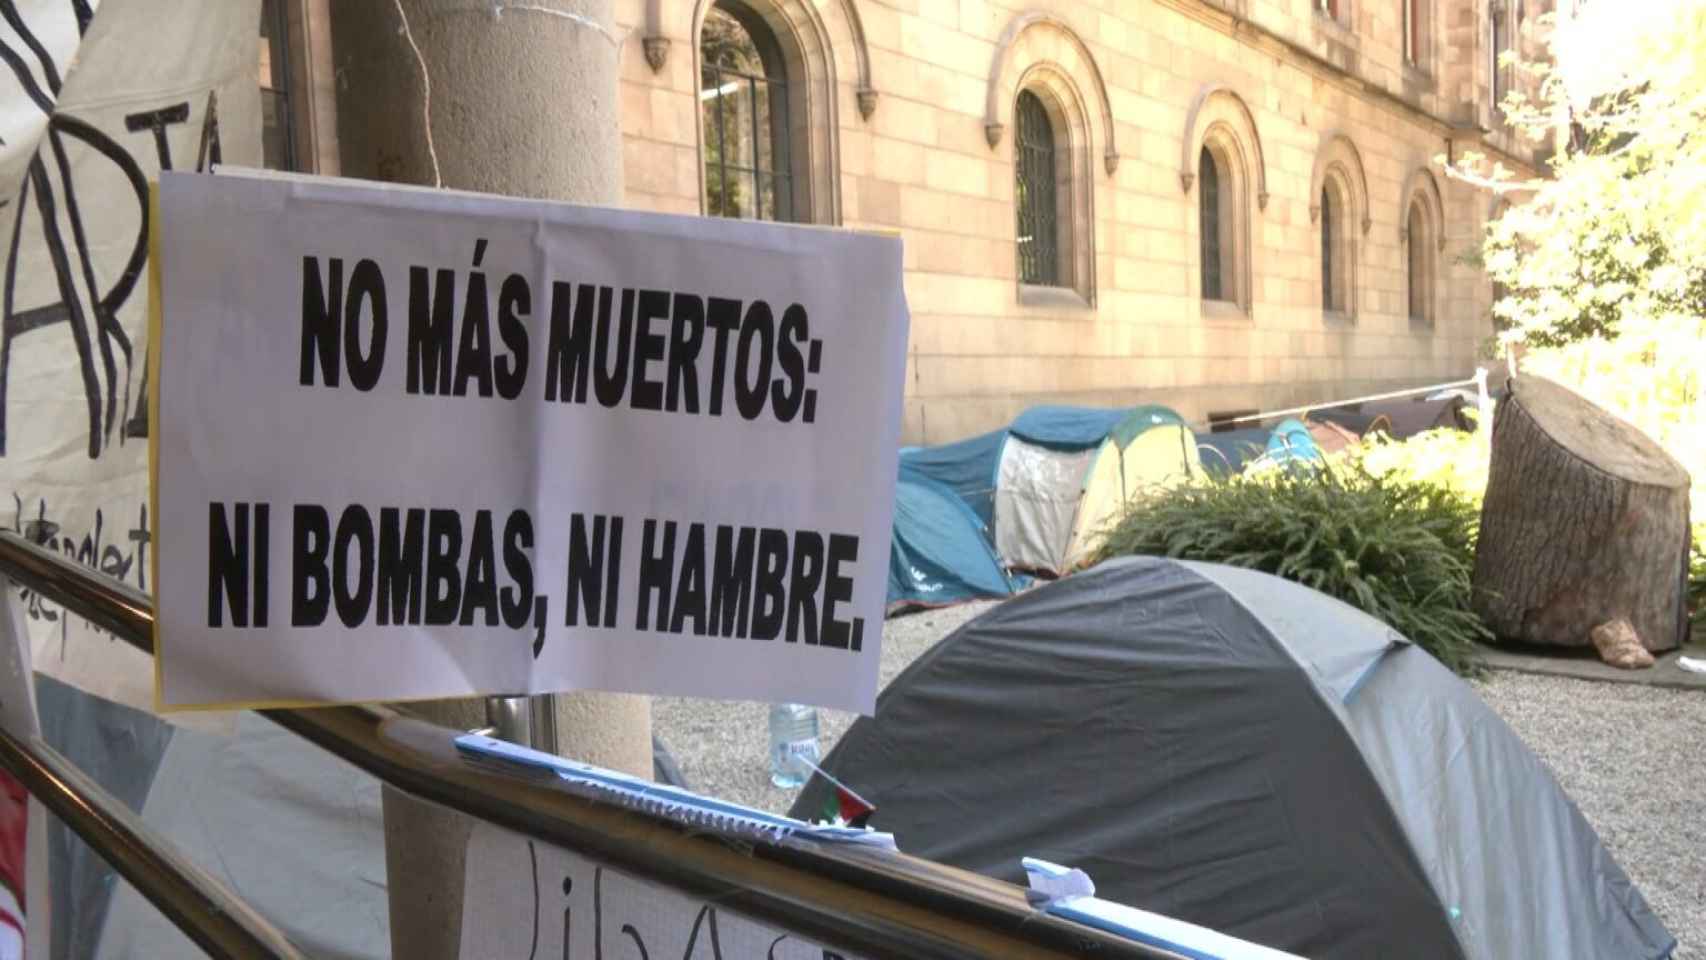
(1054, 237)
(1327, 286)
(1035, 175)
(743, 100)
(767, 112)
(1212, 227)
(1221, 158)
(1419, 274)
(1422, 214)
(1339, 203)
(1340, 209)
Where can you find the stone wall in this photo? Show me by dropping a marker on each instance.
(1126, 75)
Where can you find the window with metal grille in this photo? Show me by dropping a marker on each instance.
(278, 146)
(1208, 194)
(1034, 188)
(743, 102)
(1328, 301)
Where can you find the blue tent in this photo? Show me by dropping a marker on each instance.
(1067, 428)
(1230, 451)
(940, 552)
(967, 467)
(1292, 441)
(1226, 452)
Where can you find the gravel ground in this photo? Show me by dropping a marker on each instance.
(720, 745)
(1627, 754)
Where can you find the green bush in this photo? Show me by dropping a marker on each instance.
(1397, 548)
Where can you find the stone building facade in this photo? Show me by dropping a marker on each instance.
(1218, 205)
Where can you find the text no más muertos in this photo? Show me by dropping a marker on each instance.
(464, 334)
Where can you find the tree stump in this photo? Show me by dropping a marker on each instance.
(1585, 522)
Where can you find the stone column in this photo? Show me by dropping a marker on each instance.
(522, 103)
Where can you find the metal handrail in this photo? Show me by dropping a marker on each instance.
(875, 903)
(209, 914)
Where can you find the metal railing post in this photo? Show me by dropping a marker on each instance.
(873, 903)
(213, 917)
(511, 718)
(544, 709)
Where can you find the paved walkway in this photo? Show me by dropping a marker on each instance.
(1582, 663)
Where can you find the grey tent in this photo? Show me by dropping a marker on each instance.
(1243, 753)
(1402, 419)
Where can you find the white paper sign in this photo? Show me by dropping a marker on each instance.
(522, 898)
(424, 444)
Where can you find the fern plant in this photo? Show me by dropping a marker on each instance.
(1397, 548)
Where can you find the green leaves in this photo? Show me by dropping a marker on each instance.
(1397, 548)
(1613, 242)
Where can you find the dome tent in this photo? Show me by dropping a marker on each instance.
(1403, 418)
(1245, 754)
(1065, 472)
(966, 466)
(939, 553)
(1040, 482)
(1226, 452)
(1291, 442)
(1150, 449)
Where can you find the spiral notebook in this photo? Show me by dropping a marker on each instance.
(663, 801)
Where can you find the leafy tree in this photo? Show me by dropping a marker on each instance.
(1599, 267)
(1613, 239)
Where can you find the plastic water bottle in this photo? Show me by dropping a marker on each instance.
(793, 736)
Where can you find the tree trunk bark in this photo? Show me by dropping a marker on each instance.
(1585, 522)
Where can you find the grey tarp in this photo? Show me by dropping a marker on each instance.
(1246, 754)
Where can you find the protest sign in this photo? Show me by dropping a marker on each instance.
(524, 898)
(97, 98)
(419, 444)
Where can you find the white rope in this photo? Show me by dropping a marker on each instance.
(426, 94)
(1472, 381)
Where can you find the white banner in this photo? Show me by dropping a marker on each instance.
(95, 99)
(425, 444)
(522, 898)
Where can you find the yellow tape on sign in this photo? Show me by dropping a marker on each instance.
(154, 351)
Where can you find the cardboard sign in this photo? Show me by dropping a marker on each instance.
(524, 898)
(423, 444)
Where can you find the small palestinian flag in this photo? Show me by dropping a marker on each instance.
(844, 807)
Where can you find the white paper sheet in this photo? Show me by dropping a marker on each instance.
(522, 898)
(745, 418)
